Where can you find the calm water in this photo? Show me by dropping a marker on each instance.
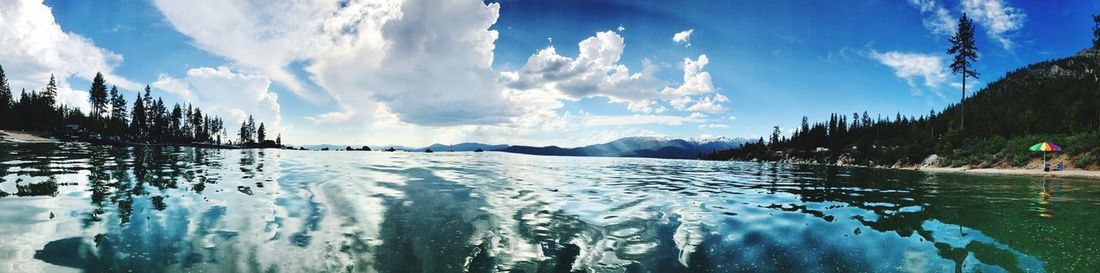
(94, 209)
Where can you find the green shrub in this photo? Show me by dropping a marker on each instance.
(1083, 161)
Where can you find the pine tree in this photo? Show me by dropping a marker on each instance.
(137, 120)
(198, 126)
(118, 111)
(962, 46)
(251, 129)
(148, 113)
(279, 139)
(260, 134)
(1096, 32)
(98, 96)
(6, 101)
(243, 134)
(50, 94)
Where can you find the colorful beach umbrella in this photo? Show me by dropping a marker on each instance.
(1045, 147)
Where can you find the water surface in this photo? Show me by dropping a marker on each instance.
(76, 208)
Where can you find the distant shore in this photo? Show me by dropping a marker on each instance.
(20, 137)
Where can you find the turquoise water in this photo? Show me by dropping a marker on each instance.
(75, 208)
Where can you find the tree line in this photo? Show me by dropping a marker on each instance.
(1056, 100)
(146, 120)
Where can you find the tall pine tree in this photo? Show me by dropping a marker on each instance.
(138, 119)
(1096, 32)
(49, 96)
(98, 96)
(261, 134)
(118, 112)
(962, 46)
(7, 103)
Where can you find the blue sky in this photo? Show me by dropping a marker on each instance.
(529, 72)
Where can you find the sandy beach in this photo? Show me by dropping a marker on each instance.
(1072, 174)
(22, 137)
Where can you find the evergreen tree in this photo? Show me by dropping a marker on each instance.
(50, 94)
(279, 139)
(7, 102)
(260, 134)
(251, 129)
(197, 125)
(148, 113)
(962, 46)
(118, 111)
(137, 118)
(98, 96)
(243, 134)
(176, 121)
(1096, 32)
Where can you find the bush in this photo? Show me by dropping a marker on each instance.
(1020, 159)
(1084, 161)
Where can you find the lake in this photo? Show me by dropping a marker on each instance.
(77, 208)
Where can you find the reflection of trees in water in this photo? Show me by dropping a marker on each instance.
(904, 202)
(132, 183)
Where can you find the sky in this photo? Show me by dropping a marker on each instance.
(526, 72)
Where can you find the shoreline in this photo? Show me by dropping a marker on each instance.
(1019, 172)
(1069, 174)
(20, 137)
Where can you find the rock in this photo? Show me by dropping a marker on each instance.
(931, 160)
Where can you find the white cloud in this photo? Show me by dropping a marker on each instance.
(1000, 20)
(35, 46)
(696, 82)
(174, 86)
(597, 120)
(937, 19)
(710, 104)
(428, 62)
(596, 71)
(683, 37)
(713, 126)
(418, 67)
(230, 95)
(911, 66)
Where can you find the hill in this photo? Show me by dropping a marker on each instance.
(654, 147)
(1056, 101)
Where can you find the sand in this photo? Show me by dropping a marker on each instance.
(1073, 174)
(22, 137)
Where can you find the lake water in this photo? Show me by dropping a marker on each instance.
(95, 209)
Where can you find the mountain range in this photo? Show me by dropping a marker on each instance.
(653, 147)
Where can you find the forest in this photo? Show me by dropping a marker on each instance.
(113, 120)
(1056, 101)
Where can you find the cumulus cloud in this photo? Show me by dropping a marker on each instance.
(428, 62)
(35, 46)
(228, 94)
(596, 71)
(683, 37)
(696, 82)
(912, 67)
(403, 65)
